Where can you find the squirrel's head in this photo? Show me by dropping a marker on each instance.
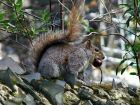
(97, 54)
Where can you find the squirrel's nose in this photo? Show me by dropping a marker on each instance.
(103, 57)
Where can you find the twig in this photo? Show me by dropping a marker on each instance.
(62, 15)
(121, 36)
(64, 6)
(101, 75)
(37, 17)
(50, 9)
(106, 8)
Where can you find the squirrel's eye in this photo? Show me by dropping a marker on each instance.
(96, 49)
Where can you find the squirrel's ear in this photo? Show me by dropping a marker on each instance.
(88, 44)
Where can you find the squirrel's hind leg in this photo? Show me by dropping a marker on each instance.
(49, 69)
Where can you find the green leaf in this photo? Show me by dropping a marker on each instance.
(127, 11)
(137, 47)
(123, 61)
(46, 16)
(33, 30)
(122, 71)
(131, 64)
(133, 73)
(128, 21)
(117, 69)
(124, 5)
(1, 16)
(18, 4)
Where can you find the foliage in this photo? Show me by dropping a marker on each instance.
(15, 20)
(133, 48)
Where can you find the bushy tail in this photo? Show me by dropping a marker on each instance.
(74, 26)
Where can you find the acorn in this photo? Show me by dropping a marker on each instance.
(97, 62)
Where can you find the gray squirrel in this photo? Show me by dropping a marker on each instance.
(55, 54)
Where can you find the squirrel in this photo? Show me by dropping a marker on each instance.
(55, 54)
